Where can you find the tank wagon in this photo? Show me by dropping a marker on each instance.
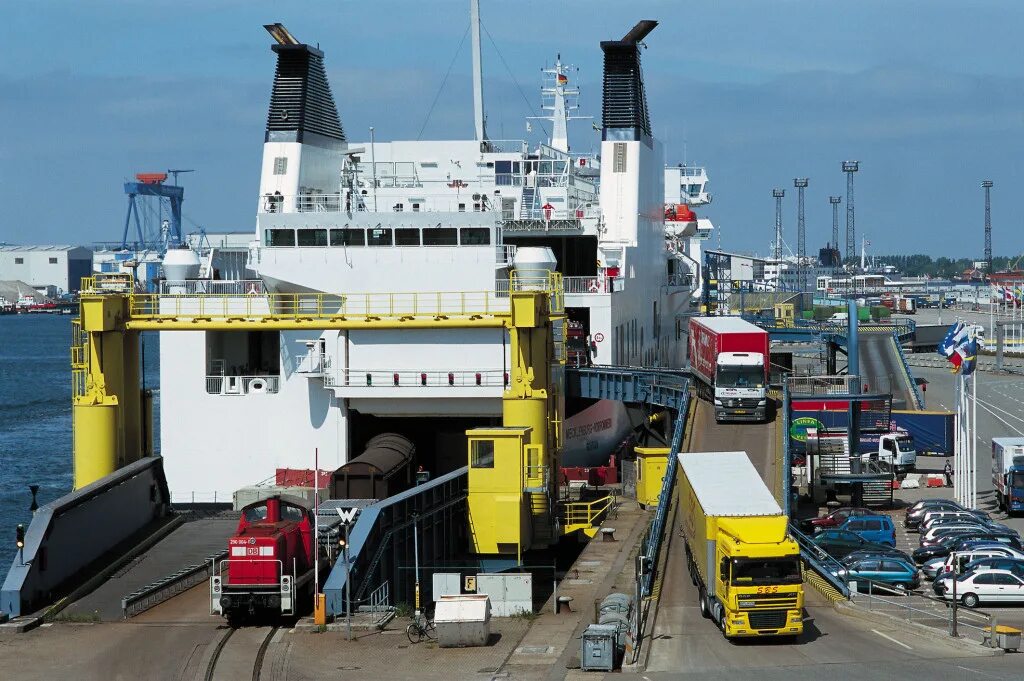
(384, 469)
(270, 561)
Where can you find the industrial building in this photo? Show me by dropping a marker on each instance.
(43, 267)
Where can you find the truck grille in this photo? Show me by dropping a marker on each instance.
(767, 619)
(742, 402)
(784, 600)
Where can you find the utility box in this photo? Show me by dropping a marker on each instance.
(651, 463)
(597, 648)
(463, 621)
(511, 594)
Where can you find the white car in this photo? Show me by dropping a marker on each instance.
(985, 586)
(939, 566)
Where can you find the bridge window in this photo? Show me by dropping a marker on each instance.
(440, 236)
(280, 237)
(407, 236)
(475, 236)
(378, 236)
(312, 237)
(483, 454)
(348, 237)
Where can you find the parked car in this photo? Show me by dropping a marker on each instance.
(985, 586)
(959, 543)
(833, 519)
(914, 514)
(840, 543)
(965, 557)
(978, 562)
(890, 570)
(881, 551)
(935, 535)
(877, 529)
(930, 517)
(968, 519)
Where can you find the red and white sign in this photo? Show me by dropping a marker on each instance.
(599, 337)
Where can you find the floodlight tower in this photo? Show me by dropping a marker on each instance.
(835, 201)
(801, 233)
(987, 184)
(777, 250)
(850, 167)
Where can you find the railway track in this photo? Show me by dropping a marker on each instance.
(238, 652)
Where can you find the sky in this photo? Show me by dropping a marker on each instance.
(927, 94)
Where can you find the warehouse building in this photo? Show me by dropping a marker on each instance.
(43, 267)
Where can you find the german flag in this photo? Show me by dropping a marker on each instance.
(562, 79)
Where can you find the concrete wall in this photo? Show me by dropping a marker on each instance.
(68, 535)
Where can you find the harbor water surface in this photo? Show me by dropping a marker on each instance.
(35, 415)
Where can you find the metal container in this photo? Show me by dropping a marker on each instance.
(597, 648)
(463, 621)
(620, 621)
(617, 602)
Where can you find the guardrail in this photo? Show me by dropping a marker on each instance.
(584, 514)
(918, 398)
(818, 560)
(157, 592)
(410, 378)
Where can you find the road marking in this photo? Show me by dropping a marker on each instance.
(975, 671)
(886, 636)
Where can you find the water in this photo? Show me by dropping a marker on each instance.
(35, 415)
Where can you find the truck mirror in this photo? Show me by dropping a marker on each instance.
(723, 569)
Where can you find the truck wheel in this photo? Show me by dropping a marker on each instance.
(704, 605)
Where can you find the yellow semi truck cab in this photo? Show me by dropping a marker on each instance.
(739, 553)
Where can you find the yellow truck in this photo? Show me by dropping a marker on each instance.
(741, 558)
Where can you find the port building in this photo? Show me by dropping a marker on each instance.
(46, 268)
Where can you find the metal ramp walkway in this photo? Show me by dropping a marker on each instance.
(381, 542)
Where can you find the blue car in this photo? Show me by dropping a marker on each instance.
(878, 529)
(887, 570)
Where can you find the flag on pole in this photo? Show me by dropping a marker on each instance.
(960, 346)
(562, 79)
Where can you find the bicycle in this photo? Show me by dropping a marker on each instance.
(421, 628)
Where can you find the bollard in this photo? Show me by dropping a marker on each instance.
(564, 601)
(607, 534)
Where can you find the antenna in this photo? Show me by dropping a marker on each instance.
(801, 233)
(987, 184)
(175, 174)
(777, 250)
(850, 167)
(478, 75)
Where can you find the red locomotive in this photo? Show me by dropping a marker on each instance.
(270, 560)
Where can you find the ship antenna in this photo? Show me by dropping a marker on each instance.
(478, 75)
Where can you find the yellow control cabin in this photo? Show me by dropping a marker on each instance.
(746, 566)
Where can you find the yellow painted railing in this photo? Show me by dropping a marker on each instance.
(583, 515)
(79, 358)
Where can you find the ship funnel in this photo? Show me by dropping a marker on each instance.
(302, 107)
(624, 111)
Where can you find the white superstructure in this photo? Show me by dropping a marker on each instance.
(394, 221)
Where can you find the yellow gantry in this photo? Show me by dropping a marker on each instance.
(113, 420)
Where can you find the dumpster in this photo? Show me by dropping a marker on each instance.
(463, 621)
(597, 648)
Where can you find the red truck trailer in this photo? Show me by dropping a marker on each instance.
(729, 359)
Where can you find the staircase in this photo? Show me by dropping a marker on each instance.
(543, 524)
(878, 493)
(529, 207)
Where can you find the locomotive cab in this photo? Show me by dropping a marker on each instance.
(270, 559)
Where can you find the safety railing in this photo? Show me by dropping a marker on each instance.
(823, 385)
(221, 287)
(817, 559)
(579, 514)
(242, 385)
(163, 589)
(79, 358)
(505, 254)
(922, 609)
(915, 391)
(109, 282)
(380, 606)
(413, 378)
(577, 285)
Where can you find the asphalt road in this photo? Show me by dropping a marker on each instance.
(684, 645)
(881, 369)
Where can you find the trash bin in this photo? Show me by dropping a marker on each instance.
(597, 648)
(463, 621)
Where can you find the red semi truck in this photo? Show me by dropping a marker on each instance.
(729, 358)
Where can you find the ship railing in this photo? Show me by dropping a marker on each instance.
(823, 385)
(242, 385)
(506, 146)
(416, 378)
(577, 285)
(108, 282)
(505, 254)
(192, 287)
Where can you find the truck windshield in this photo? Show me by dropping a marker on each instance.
(1017, 480)
(905, 444)
(740, 377)
(747, 571)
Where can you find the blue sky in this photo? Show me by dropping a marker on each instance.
(927, 94)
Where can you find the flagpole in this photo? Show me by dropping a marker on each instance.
(974, 439)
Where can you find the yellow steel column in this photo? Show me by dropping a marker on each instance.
(107, 416)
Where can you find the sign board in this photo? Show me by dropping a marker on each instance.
(798, 428)
(599, 337)
(741, 269)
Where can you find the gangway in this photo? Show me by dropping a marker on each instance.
(381, 540)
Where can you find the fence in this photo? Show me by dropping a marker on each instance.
(576, 285)
(921, 609)
(823, 385)
(222, 287)
(410, 378)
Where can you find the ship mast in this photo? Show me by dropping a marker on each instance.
(555, 98)
(478, 76)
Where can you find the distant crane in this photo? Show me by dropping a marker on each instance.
(175, 174)
(156, 208)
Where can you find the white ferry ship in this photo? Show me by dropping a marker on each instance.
(391, 219)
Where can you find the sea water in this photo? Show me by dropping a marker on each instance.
(35, 415)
